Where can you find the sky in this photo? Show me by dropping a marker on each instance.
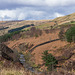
(35, 9)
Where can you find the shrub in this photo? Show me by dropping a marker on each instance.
(61, 34)
(72, 21)
(8, 36)
(19, 29)
(36, 35)
(49, 60)
(70, 34)
(51, 27)
(47, 31)
(33, 32)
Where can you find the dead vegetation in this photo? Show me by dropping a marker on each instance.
(10, 68)
(63, 51)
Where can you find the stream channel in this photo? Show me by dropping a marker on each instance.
(26, 66)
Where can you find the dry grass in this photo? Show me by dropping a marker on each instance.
(12, 72)
(9, 68)
(35, 41)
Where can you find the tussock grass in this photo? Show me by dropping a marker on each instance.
(10, 68)
(13, 71)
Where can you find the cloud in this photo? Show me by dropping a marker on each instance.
(9, 13)
(25, 14)
(59, 2)
(29, 3)
(35, 9)
(58, 14)
(38, 2)
(21, 14)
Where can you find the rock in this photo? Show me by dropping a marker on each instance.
(8, 53)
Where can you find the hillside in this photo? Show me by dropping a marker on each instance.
(35, 41)
(32, 38)
(65, 19)
(5, 26)
(62, 50)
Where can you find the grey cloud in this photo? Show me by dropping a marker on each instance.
(35, 9)
(11, 4)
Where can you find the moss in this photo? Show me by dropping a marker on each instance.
(55, 47)
(36, 36)
(34, 65)
(64, 57)
(1, 63)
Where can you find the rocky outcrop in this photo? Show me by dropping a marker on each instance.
(8, 53)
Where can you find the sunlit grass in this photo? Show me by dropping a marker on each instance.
(12, 72)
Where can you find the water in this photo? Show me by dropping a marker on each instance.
(26, 66)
